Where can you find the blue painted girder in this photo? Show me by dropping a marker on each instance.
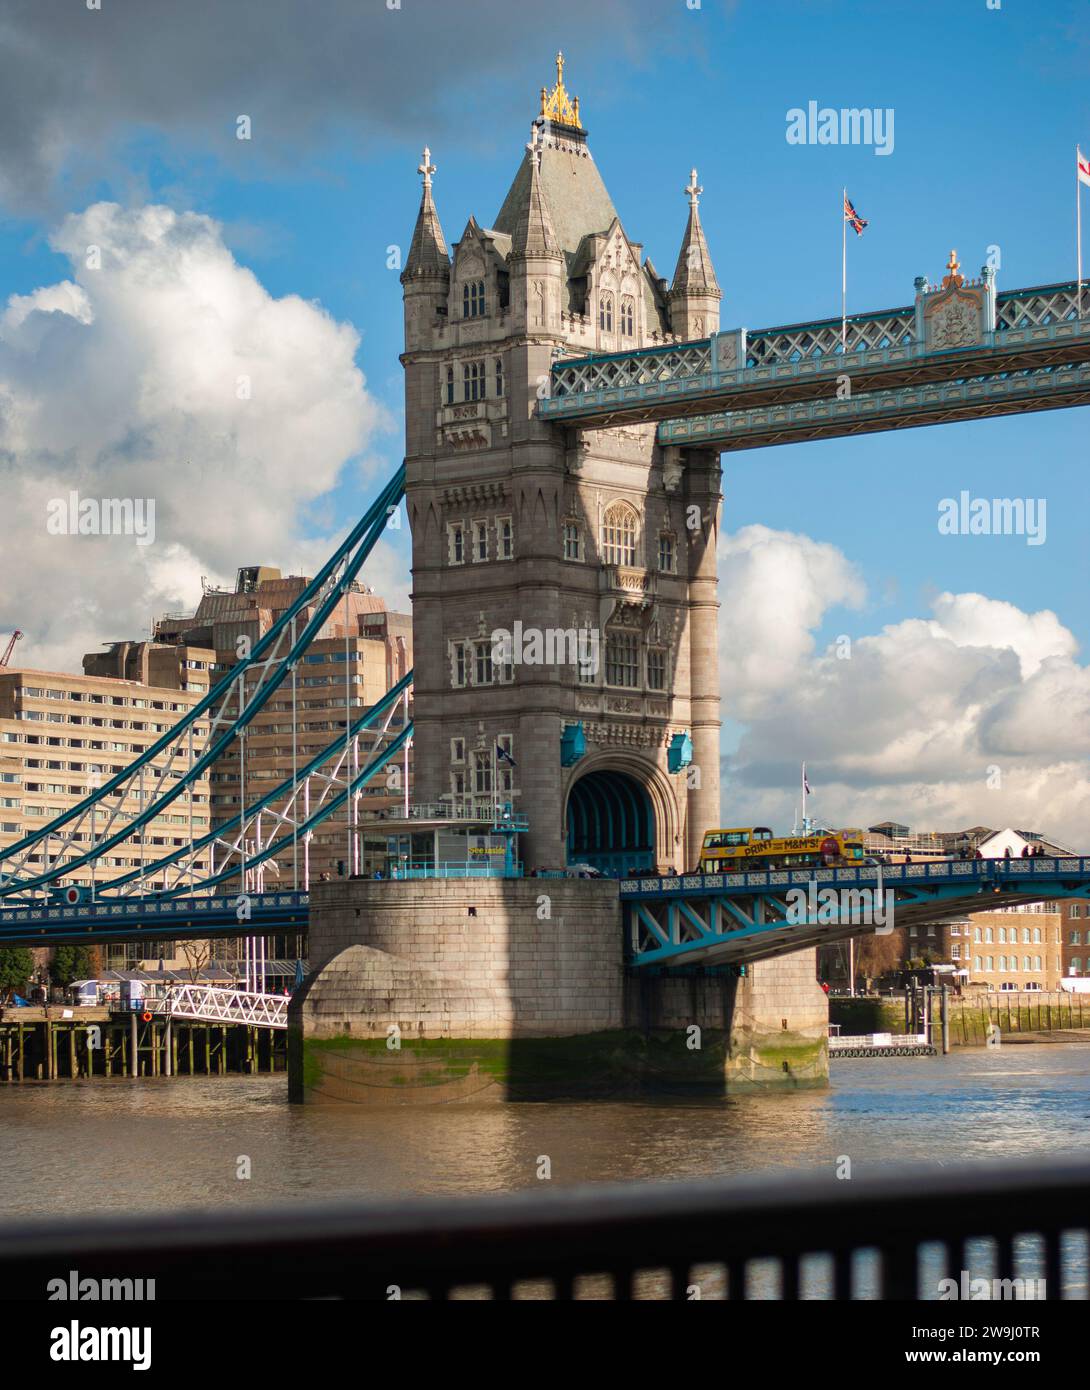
(143, 919)
(727, 919)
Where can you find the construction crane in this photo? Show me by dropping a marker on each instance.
(8, 649)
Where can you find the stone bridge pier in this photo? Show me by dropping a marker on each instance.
(516, 989)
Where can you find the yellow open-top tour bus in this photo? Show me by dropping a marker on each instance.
(755, 847)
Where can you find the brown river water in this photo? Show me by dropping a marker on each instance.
(167, 1143)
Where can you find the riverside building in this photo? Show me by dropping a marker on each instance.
(61, 736)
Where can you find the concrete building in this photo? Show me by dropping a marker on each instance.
(595, 552)
(362, 650)
(62, 735)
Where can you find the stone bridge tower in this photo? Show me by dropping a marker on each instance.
(564, 581)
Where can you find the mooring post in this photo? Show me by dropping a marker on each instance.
(134, 1069)
(945, 1021)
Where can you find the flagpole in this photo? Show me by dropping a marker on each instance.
(843, 284)
(804, 798)
(1078, 225)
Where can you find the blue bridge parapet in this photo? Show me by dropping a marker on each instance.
(732, 918)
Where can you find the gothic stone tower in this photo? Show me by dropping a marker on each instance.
(515, 521)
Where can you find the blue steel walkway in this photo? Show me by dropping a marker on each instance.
(730, 919)
(1013, 352)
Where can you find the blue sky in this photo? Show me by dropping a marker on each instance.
(988, 104)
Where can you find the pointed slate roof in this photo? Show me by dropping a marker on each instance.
(428, 250)
(533, 233)
(695, 273)
(571, 188)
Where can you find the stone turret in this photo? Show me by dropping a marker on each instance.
(520, 526)
(426, 276)
(536, 260)
(695, 294)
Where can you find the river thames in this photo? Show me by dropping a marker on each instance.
(166, 1143)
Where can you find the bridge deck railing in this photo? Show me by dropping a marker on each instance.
(1034, 315)
(1005, 872)
(786, 1237)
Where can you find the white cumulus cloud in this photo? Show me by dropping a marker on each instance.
(163, 369)
(976, 714)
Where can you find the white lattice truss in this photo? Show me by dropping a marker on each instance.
(1037, 308)
(213, 1004)
(801, 342)
(276, 821)
(648, 368)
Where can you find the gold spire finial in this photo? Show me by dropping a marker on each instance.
(953, 274)
(557, 105)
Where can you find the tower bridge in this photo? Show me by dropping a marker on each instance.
(957, 332)
(566, 407)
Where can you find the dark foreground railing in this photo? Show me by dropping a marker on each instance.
(790, 1236)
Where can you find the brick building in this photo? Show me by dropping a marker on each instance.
(63, 735)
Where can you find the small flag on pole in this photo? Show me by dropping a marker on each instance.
(853, 219)
(504, 757)
(1082, 175)
(805, 782)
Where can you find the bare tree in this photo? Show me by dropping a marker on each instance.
(197, 955)
(875, 955)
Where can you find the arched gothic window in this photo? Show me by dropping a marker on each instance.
(619, 535)
(628, 316)
(473, 381)
(473, 305)
(605, 312)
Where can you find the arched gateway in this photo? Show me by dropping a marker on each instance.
(610, 823)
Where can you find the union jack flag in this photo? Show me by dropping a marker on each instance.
(852, 217)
